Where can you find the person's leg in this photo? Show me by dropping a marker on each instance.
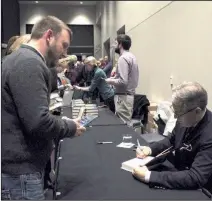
(124, 107)
(101, 99)
(47, 179)
(22, 187)
(110, 103)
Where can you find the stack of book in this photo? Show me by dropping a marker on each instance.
(55, 101)
(76, 106)
(91, 109)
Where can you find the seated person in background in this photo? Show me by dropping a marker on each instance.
(98, 82)
(191, 140)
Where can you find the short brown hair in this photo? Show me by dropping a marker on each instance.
(49, 22)
(124, 40)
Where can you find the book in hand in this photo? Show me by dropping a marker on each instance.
(135, 162)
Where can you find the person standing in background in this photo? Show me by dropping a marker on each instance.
(14, 44)
(98, 82)
(106, 60)
(126, 78)
(108, 67)
(28, 127)
(102, 63)
(71, 71)
(9, 43)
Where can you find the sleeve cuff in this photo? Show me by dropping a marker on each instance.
(147, 176)
(150, 151)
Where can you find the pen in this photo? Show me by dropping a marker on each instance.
(104, 142)
(138, 143)
(206, 192)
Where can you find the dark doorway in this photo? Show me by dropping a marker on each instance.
(107, 48)
(121, 30)
(29, 28)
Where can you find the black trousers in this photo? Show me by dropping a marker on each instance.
(47, 179)
(110, 103)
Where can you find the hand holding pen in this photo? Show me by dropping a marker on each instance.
(142, 151)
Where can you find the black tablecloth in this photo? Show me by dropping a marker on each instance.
(91, 171)
(105, 118)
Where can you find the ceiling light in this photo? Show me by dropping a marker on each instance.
(81, 2)
(36, 2)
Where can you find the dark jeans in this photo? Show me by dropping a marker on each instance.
(22, 187)
(47, 179)
(110, 103)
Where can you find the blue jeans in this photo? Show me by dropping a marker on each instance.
(22, 187)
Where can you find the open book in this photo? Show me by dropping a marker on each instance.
(135, 162)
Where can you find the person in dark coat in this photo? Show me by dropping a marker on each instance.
(84, 78)
(190, 144)
(108, 68)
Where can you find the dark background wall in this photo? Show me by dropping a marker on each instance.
(10, 20)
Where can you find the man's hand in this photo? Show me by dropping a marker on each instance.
(77, 87)
(143, 152)
(140, 172)
(80, 129)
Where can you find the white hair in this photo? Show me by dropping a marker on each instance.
(189, 95)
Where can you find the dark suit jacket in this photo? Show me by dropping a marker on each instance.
(194, 167)
(53, 78)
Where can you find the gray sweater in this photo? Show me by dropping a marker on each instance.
(28, 128)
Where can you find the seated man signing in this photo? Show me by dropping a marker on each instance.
(98, 81)
(191, 140)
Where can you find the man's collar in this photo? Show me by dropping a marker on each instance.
(124, 51)
(35, 50)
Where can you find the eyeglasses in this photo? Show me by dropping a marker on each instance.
(177, 115)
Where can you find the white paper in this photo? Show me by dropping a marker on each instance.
(125, 145)
(59, 99)
(54, 95)
(56, 105)
(135, 162)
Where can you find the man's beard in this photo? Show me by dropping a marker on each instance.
(52, 57)
(117, 50)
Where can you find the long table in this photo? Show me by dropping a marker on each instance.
(92, 171)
